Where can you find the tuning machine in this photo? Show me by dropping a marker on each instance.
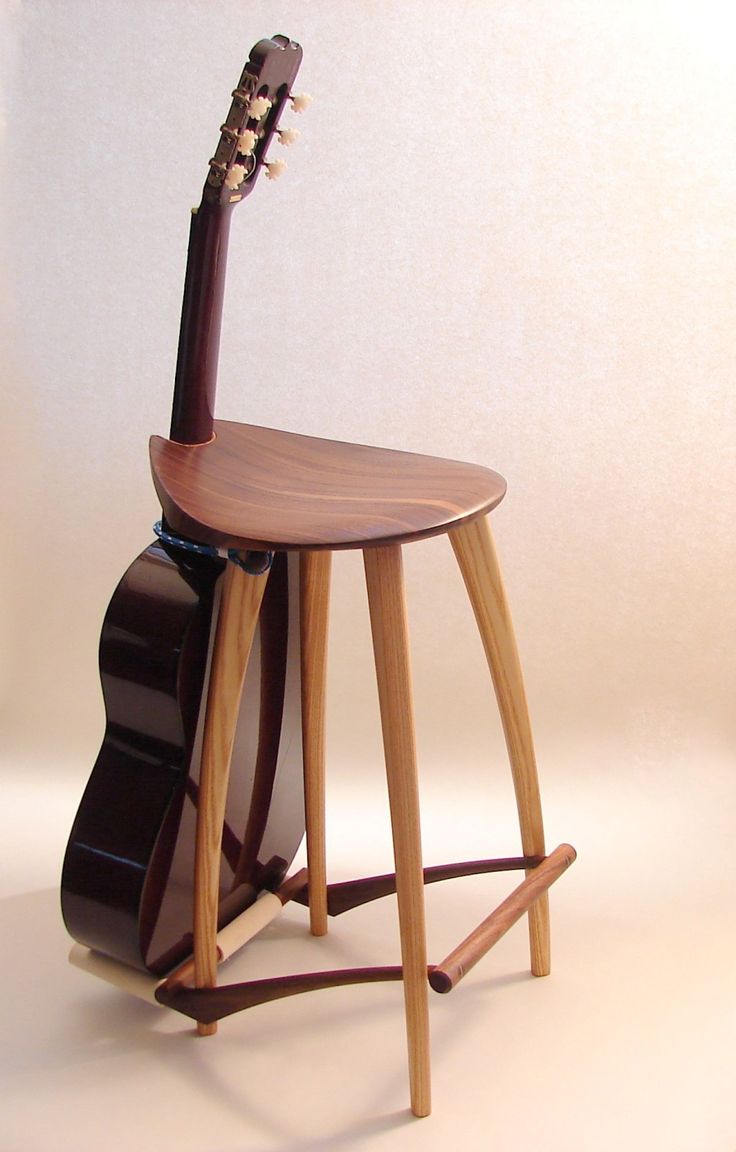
(259, 106)
(301, 102)
(247, 141)
(288, 136)
(235, 176)
(274, 168)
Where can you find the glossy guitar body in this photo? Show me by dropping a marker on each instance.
(127, 883)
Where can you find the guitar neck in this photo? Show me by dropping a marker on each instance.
(201, 321)
(252, 122)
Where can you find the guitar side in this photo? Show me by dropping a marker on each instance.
(127, 881)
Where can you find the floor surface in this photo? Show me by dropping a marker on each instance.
(629, 1044)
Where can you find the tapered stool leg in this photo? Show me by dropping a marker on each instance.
(476, 555)
(236, 623)
(384, 578)
(314, 588)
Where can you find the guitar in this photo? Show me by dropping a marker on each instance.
(127, 880)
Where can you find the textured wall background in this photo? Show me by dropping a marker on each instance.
(507, 235)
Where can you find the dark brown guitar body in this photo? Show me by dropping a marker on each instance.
(128, 872)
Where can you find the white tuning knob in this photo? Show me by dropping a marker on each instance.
(301, 103)
(247, 141)
(259, 107)
(235, 177)
(275, 168)
(288, 136)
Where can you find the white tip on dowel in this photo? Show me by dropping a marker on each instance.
(229, 940)
(248, 924)
(139, 984)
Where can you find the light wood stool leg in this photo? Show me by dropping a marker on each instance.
(476, 555)
(384, 579)
(236, 623)
(314, 589)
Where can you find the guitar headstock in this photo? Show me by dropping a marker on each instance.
(252, 122)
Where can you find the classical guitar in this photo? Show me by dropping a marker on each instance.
(127, 883)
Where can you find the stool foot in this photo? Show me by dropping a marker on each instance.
(314, 598)
(384, 579)
(476, 555)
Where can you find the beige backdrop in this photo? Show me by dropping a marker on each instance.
(506, 235)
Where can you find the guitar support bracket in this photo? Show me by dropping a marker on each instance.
(208, 1005)
(253, 562)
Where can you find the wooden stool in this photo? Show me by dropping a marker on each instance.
(264, 493)
(257, 489)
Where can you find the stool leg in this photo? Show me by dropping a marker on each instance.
(384, 579)
(476, 555)
(314, 597)
(236, 623)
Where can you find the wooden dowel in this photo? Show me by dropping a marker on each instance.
(114, 972)
(446, 975)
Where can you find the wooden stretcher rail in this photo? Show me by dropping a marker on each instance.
(349, 894)
(445, 976)
(208, 1005)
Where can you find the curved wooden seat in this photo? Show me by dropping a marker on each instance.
(263, 489)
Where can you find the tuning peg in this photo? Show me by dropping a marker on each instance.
(247, 141)
(301, 103)
(288, 136)
(259, 107)
(235, 177)
(275, 168)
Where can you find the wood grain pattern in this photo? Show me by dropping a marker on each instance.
(476, 555)
(264, 489)
(313, 616)
(241, 600)
(467, 954)
(212, 1004)
(384, 579)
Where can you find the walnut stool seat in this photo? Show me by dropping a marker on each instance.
(260, 488)
(252, 488)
